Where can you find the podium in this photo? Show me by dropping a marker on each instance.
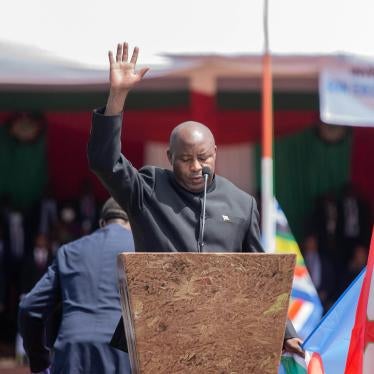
(219, 313)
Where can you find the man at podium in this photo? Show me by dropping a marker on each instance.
(167, 208)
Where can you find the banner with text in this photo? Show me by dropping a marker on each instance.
(346, 93)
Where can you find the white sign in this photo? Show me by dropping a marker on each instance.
(347, 94)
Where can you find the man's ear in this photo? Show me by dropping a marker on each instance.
(101, 223)
(170, 156)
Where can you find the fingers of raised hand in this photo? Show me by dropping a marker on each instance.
(119, 53)
(134, 56)
(143, 72)
(125, 52)
(111, 59)
(122, 54)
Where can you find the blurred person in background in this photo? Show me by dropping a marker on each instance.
(87, 208)
(354, 223)
(83, 280)
(68, 227)
(14, 245)
(2, 270)
(355, 265)
(36, 263)
(320, 270)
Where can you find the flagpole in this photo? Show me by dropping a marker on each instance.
(268, 225)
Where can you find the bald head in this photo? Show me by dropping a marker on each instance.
(190, 132)
(192, 146)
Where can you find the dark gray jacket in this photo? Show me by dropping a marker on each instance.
(164, 216)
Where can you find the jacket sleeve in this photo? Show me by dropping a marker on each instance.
(252, 242)
(120, 178)
(35, 311)
(290, 331)
(118, 340)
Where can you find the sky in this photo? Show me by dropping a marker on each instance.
(84, 30)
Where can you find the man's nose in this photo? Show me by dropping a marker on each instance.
(196, 165)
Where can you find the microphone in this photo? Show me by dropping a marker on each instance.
(206, 174)
(206, 171)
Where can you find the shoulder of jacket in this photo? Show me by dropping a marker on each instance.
(80, 242)
(150, 170)
(225, 184)
(153, 175)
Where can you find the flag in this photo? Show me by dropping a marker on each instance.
(360, 358)
(343, 342)
(305, 310)
(328, 344)
(292, 364)
(326, 348)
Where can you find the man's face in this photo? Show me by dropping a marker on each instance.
(188, 159)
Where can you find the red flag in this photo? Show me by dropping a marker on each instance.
(360, 358)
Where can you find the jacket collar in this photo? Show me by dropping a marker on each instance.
(211, 187)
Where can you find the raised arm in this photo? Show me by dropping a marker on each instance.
(122, 78)
(117, 174)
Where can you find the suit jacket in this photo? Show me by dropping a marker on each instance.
(164, 216)
(83, 279)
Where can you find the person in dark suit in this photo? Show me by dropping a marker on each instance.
(83, 280)
(165, 207)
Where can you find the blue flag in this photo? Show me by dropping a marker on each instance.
(330, 340)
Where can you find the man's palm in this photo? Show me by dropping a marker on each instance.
(122, 72)
(122, 75)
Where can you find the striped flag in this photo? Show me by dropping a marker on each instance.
(292, 364)
(305, 310)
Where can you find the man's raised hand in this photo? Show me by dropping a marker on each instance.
(122, 72)
(122, 77)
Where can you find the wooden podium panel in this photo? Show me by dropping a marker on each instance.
(205, 313)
